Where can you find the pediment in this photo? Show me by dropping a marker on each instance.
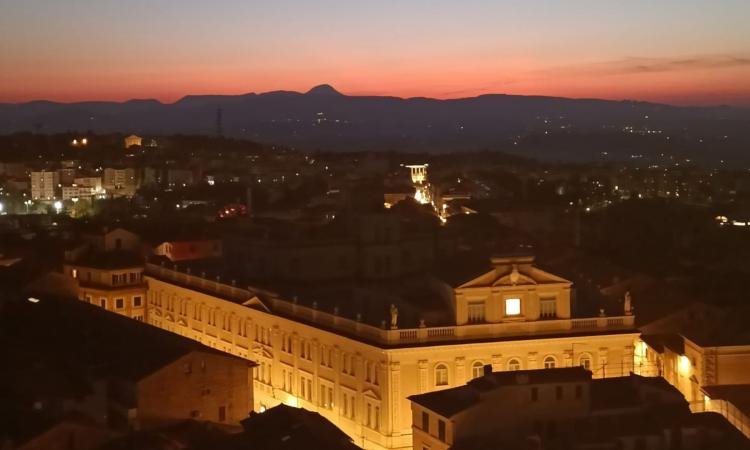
(513, 276)
(371, 394)
(262, 351)
(257, 302)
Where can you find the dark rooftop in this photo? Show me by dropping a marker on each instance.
(449, 402)
(286, 428)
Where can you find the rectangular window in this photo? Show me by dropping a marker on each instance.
(103, 302)
(74, 272)
(425, 422)
(548, 308)
(476, 312)
(512, 306)
(119, 303)
(441, 430)
(137, 301)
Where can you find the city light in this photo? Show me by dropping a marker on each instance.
(58, 206)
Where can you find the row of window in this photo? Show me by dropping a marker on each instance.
(326, 397)
(512, 308)
(513, 364)
(119, 303)
(118, 279)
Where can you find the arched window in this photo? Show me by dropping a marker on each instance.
(514, 364)
(477, 369)
(585, 361)
(549, 362)
(441, 375)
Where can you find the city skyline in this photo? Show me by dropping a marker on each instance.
(684, 53)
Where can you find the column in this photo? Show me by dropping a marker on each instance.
(422, 364)
(460, 371)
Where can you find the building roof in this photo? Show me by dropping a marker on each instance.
(78, 341)
(659, 342)
(450, 402)
(110, 260)
(622, 392)
(728, 329)
(286, 428)
(736, 394)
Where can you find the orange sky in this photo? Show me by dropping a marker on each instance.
(675, 51)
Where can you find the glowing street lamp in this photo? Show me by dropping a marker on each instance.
(58, 206)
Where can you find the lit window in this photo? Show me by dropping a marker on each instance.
(514, 364)
(74, 272)
(549, 362)
(585, 362)
(512, 306)
(441, 375)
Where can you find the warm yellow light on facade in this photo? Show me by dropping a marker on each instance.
(684, 365)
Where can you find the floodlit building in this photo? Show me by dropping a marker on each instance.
(44, 184)
(354, 356)
(133, 140)
(112, 281)
(76, 191)
(418, 173)
(704, 352)
(121, 182)
(564, 408)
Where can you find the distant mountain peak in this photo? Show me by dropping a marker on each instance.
(323, 89)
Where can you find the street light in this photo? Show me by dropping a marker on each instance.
(58, 206)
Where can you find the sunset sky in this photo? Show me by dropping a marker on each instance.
(673, 51)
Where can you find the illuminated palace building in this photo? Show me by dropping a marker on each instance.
(354, 351)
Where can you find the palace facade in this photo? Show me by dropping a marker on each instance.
(357, 369)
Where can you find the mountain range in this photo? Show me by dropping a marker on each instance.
(326, 119)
